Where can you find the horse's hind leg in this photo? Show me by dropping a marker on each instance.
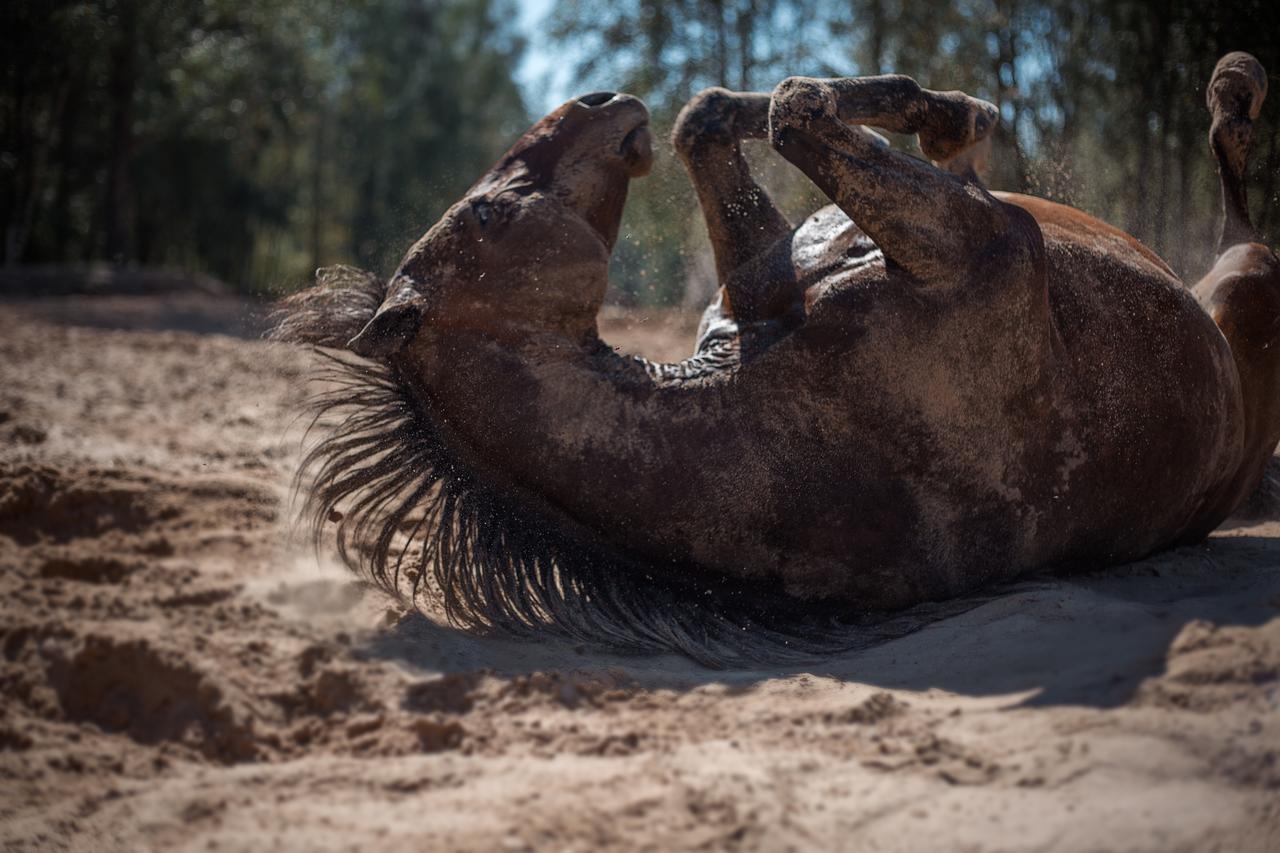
(1235, 95)
(935, 225)
(1242, 291)
(1242, 295)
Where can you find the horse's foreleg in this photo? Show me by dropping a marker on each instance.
(741, 218)
(935, 225)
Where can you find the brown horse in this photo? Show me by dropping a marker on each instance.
(922, 389)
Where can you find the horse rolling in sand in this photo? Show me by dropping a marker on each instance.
(923, 389)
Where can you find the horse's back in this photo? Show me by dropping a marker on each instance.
(1063, 224)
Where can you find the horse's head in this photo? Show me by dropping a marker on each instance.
(528, 245)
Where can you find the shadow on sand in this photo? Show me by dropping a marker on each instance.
(1086, 640)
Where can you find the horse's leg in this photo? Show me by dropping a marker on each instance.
(935, 225)
(742, 220)
(745, 227)
(1242, 291)
(1236, 92)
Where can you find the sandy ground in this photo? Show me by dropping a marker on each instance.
(179, 671)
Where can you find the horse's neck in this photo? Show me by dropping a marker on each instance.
(606, 439)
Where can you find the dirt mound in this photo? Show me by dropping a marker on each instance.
(152, 694)
(879, 707)
(1210, 667)
(39, 504)
(88, 568)
(45, 504)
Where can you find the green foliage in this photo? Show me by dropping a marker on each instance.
(255, 141)
(427, 105)
(249, 140)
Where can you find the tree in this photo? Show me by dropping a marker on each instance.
(1101, 101)
(243, 139)
(256, 140)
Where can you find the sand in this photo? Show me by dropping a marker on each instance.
(180, 670)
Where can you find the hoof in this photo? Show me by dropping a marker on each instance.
(706, 120)
(953, 122)
(1234, 97)
(1238, 87)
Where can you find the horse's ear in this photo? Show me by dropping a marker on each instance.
(395, 324)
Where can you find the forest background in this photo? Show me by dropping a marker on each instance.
(257, 141)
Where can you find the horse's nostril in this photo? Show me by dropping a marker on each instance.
(595, 99)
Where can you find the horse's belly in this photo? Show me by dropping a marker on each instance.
(1147, 415)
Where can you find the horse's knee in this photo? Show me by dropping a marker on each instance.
(797, 103)
(1251, 259)
(1242, 295)
(1003, 246)
(1244, 284)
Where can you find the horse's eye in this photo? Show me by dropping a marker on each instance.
(483, 212)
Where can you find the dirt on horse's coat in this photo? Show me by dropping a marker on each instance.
(922, 389)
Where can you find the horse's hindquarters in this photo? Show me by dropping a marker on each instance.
(1242, 295)
(1147, 417)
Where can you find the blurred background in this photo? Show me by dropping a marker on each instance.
(252, 142)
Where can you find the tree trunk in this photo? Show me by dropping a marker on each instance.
(68, 126)
(118, 212)
(875, 36)
(1269, 169)
(720, 44)
(1162, 193)
(745, 24)
(1182, 237)
(1007, 92)
(34, 146)
(18, 142)
(317, 190)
